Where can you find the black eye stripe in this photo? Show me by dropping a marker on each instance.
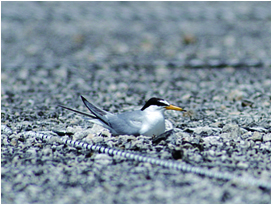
(154, 101)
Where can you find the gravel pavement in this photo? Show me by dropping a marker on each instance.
(211, 58)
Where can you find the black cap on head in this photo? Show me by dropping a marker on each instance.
(155, 101)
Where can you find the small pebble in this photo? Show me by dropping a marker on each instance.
(257, 136)
(267, 137)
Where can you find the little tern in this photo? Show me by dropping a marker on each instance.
(148, 121)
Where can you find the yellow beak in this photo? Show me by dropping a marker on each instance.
(172, 107)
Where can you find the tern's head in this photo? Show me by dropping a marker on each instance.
(159, 104)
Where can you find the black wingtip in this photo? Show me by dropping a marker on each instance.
(95, 110)
(62, 106)
(82, 98)
(76, 111)
(85, 101)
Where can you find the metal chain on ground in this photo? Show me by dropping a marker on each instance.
(220, 63)
(151, 160)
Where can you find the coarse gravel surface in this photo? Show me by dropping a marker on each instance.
(211, 58)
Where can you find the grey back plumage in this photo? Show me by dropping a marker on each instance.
(117, 123)
(125, 123)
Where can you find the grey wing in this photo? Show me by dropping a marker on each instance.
(129, 123)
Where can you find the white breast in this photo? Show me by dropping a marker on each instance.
(154, 124)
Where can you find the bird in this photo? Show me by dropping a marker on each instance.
(148, 121)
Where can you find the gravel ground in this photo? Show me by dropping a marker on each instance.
(211, 58)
